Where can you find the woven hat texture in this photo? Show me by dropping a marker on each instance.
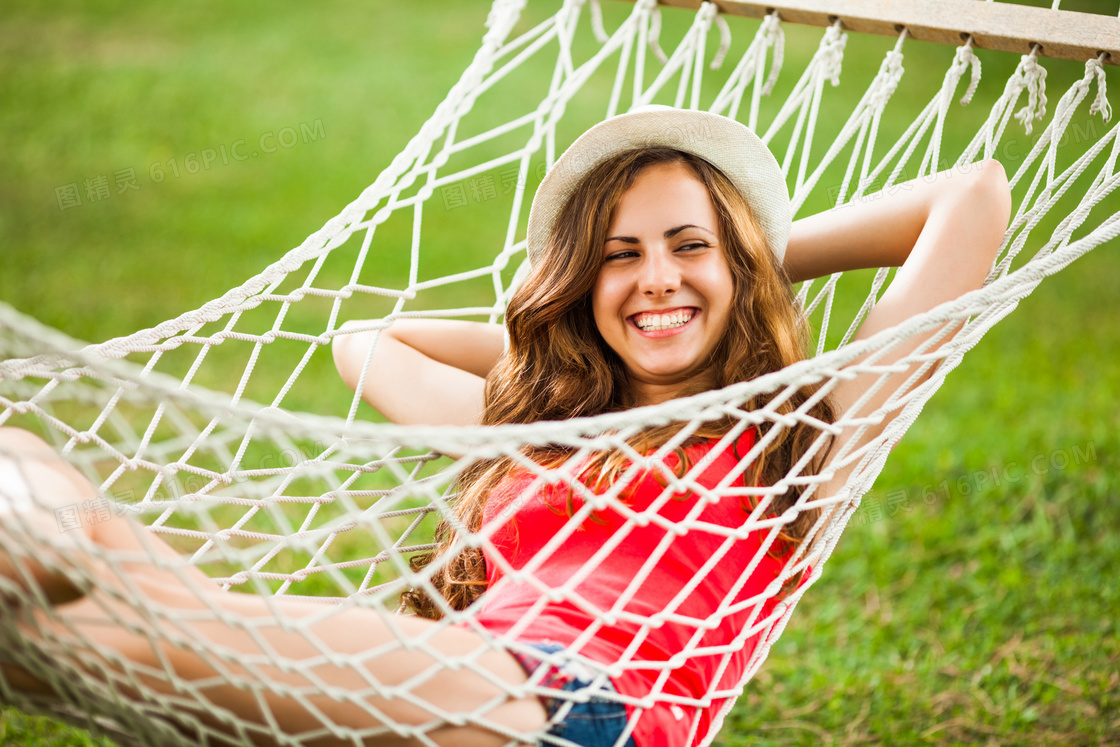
(725, 143)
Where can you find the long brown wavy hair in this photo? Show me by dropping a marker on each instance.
(557, 365)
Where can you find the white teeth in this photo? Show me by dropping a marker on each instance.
(656, 322)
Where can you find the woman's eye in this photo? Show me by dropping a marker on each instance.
(620, 255)
(694, 245)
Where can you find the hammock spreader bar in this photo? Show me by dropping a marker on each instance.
(1064, 34)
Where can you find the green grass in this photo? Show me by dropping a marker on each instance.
(984, 616)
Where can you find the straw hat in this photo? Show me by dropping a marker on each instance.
(726, 144)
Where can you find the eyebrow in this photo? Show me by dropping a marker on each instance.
(668, 234)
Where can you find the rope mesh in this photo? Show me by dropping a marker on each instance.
(327, 508)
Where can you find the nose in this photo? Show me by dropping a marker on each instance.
(659, 275)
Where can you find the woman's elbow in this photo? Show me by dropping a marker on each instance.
(349, 355)
(340, 352)
(989, 195)
(997, 193)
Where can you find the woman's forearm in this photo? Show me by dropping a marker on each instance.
(878, 230)
(422, 371)
(961, 219)
(470, 346)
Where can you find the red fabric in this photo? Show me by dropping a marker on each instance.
(533, 513)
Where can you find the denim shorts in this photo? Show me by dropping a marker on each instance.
(599, 722)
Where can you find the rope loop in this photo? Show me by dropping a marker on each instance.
(724, 41)
(964, 56)
(962, 59)
(597, 27)
(707, 15)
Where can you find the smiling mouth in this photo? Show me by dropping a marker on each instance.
(658, 321)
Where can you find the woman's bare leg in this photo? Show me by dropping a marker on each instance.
(230, 647)
(34, 480)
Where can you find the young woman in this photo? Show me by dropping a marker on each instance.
(661, 252)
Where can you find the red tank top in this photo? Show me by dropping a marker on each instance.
(618, 569)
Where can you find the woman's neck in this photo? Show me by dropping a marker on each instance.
(645, 393)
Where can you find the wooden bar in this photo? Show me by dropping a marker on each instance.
(1063, 34)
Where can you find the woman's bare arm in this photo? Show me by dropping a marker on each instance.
(422, 371)
(883, 229)
(141, 606)
(943, 232)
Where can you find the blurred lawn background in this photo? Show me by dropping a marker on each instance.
(987, 615)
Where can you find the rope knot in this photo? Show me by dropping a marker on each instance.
(775, 37)
(832, 54)
(504, 10)
(890, 74)
(707, 15)
(1033, 77)
(708, 11)
(965, 56)
(1100, 103)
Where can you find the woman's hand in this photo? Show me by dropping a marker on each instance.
(422, 371)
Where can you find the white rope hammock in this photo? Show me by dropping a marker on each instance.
(330, 506)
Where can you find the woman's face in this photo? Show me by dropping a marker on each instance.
(663, 294)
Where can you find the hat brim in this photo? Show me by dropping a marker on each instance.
(728, 145)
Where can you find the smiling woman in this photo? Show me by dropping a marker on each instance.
(626, 572)
(662, 273)
(664, 292)
(659, 273)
